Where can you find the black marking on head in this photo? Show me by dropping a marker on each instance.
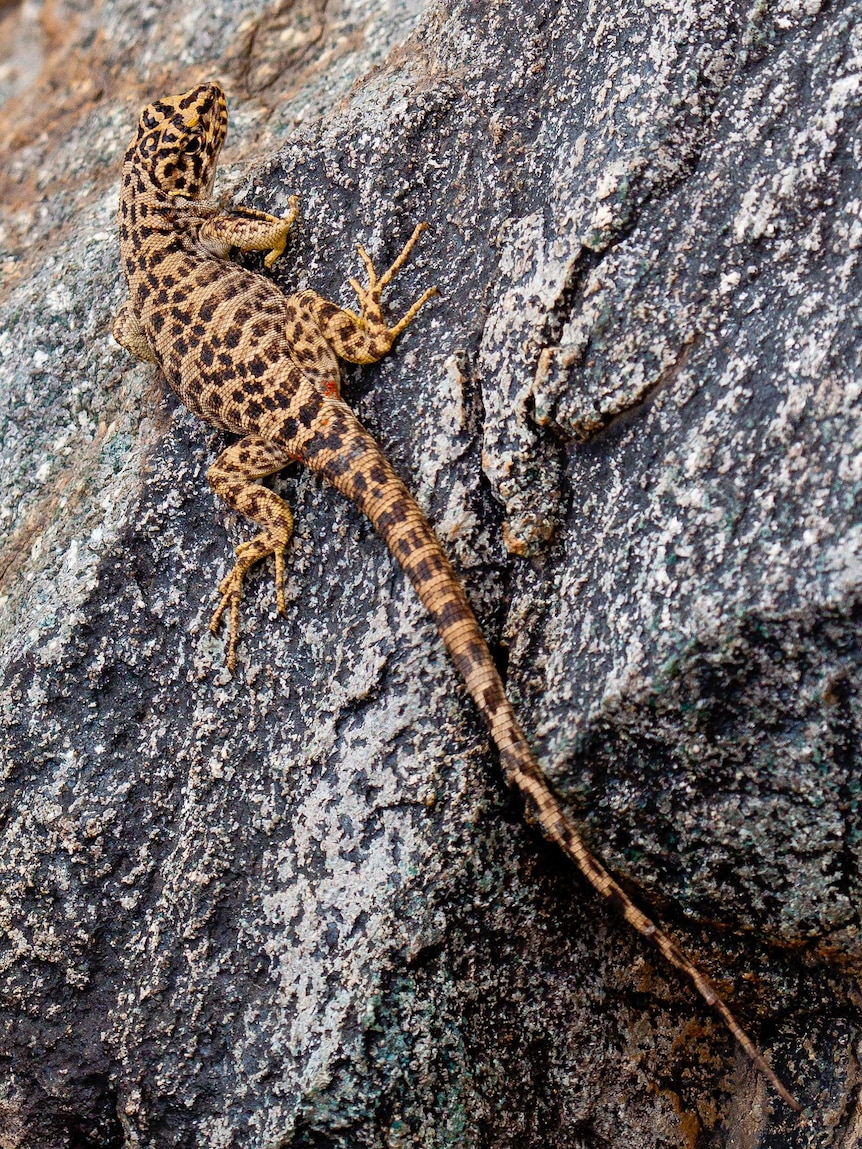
(179, 138)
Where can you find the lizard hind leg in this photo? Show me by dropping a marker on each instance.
(366, 337)
(233, 477)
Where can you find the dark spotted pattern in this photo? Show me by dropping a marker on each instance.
(250, 360)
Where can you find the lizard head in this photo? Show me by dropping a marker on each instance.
(179, 139)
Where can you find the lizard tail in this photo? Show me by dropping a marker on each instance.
(346, 455)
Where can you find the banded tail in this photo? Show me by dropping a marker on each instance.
(346, 455)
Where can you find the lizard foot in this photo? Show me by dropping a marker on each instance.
(369, 297)
(281, 238)
(230, 588)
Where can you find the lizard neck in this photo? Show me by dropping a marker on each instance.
(151, 218)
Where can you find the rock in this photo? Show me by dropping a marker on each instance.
(295, 907)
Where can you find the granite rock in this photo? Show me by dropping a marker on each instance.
(295, 907)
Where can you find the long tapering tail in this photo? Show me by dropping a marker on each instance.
(351, 460)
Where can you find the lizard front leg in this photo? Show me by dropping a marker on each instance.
(366, 337)
(233, 478)
(248, 229)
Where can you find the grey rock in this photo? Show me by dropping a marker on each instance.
(295, 907)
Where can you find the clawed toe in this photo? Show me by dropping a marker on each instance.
(369, 267)
(230, 590)
(369, 297)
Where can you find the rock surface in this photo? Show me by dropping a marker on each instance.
(295, 907)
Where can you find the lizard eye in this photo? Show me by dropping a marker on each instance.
(193, 146)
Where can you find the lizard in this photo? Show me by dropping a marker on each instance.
(262, 365)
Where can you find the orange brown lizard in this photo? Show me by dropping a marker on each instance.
(252, 361)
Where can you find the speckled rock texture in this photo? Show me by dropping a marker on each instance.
(295, 909)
